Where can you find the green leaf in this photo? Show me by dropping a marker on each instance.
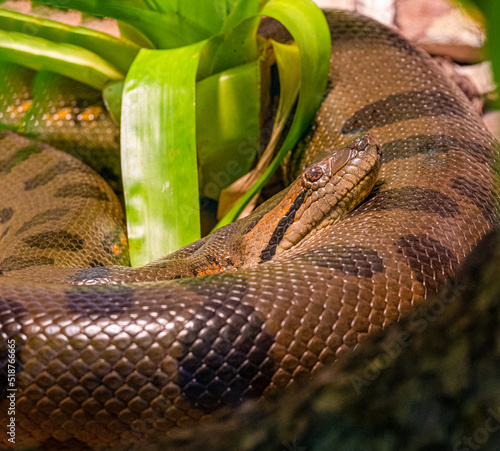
(209, 15)
(158, 142)
(228, 126)
(238, 46)
(118, 52)
(307, 24)
(112, 96)
(288, 62)
(164, 30)
(134, 35)
(241, 10)
(491, 12)
(65, 59)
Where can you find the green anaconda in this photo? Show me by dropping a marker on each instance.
(108, 355)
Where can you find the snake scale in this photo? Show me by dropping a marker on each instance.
(110, 356)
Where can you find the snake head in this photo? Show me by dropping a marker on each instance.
(332, 188)
(325, 192)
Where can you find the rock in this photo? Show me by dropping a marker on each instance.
(492, 121)
(382, 10)
(480, 74)
(469, 80)
(441, 28)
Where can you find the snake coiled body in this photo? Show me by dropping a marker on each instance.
(109, 355)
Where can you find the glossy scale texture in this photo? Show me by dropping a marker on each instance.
(124, 362)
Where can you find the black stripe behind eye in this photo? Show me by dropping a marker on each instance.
(279, 232)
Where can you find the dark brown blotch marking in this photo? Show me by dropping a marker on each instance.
(279, 232)
(99, 301)
(412, 198)
(21, 155)
(403, 107)
(354, 260)
(42, 218)
(60, 240)
(60, 168)
(85, 190)
(433, 145)
(89, 276)
(480, 195)
(225, 355)
(431, 262)
(6, 215)
(14, 263)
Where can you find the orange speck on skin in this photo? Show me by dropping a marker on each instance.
(116, 249)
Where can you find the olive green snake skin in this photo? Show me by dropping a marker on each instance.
(111, 356)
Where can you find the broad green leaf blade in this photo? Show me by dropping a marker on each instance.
(209, 15)
(118, 52)
(240, 11)
(228, 126)
(65, 59)
(164, 30)
(238, 46)
(158, 143)
(307, 24)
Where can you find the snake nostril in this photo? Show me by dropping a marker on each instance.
(362, 143)
(313, 174)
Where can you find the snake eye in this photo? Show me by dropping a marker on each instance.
(313, 174)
